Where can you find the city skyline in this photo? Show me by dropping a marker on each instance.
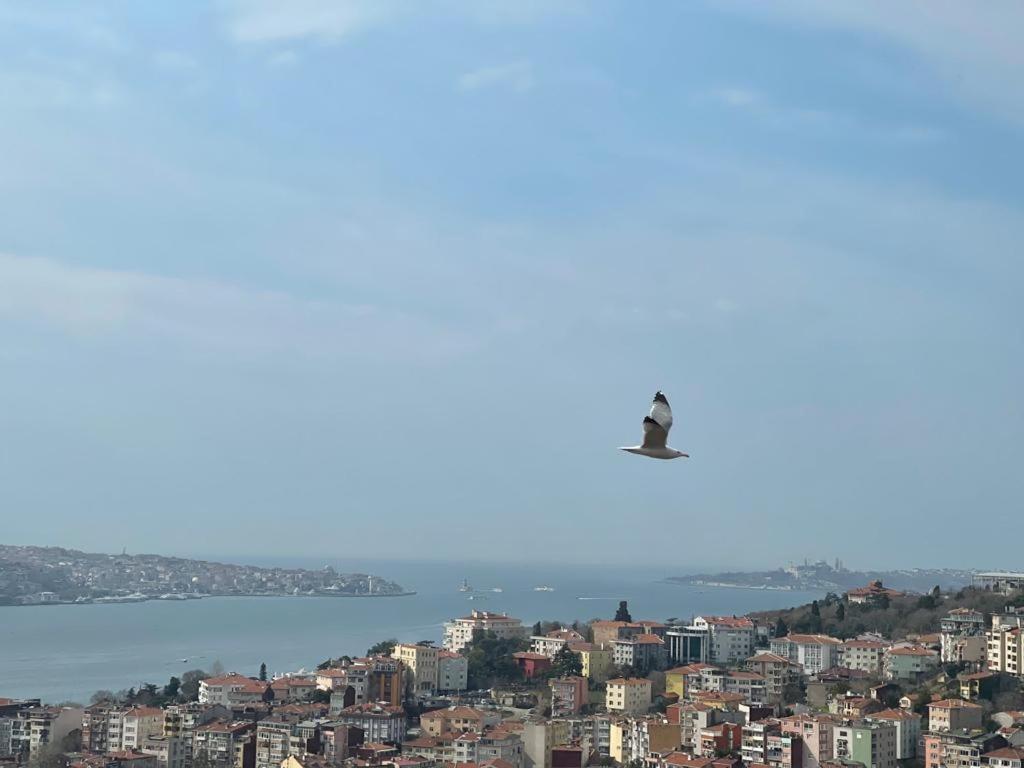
(266, 271)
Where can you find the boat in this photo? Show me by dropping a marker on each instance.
(544, 588)
(465, 587)
(497, 589)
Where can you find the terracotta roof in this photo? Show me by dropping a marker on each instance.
(530, 656)
(144, 712)
(913, 650)
(812, 639)
(645, 639)
(955, 704)
(690, 669)
(872, 644)
(893, 714)
(1007, 753)
(770, 658)
(629, 681)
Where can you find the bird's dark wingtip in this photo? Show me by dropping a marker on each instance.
(660, 398)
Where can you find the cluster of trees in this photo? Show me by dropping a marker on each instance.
(490, 662)
(892, 617)
(178, 689)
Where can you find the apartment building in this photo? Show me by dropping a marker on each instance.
(628, 695)
(643, 652)
(908, 730)
(379, 723)
(553, 642)
(225, 744)
(458, 633)
(962, 636)
(865, 655)
(812, 653)
(730, 639)
(912, 662)
(231, 690)
(954, 715)
(816, 733)
(422, 660)
(452, 672)
(778, 672)
(569, 695)
(598, 663)
(1006, 643)
(872, 744)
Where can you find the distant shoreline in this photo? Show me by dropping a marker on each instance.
(157, 599)
(727, 585)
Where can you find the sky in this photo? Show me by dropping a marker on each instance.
(395, 278)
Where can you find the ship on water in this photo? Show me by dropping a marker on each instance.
(464, 587)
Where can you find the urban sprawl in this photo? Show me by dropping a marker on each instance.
(871, 678)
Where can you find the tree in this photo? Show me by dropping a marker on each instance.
(781, 629)
(103, 695)
(936, 592)
(383, 648)
(172, 688)
(490, 661)
(566, 663)
(263, 672)
(189, 689)
(622, 614)
(217, 669)
(538, 630)
(841, 613)
(815, 609)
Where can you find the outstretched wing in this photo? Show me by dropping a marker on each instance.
(655, 435)
(661, 412)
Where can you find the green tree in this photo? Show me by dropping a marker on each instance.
(538, 630)
(172, 688)
(566, 663)
(781, 628)
(815, 609)
(189, 690)
(622, 614)
(263, 672)
(841, 613)
(489, 660)
(383, 648)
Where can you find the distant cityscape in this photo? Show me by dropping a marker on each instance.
(824, 576)
(52, 575)
(870, 677)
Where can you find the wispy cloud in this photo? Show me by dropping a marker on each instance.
(88, 303)
(516, 76)
(976, 51)
(262, 21)
(175, 61)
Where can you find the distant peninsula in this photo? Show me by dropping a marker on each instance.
(826, 577)
(53, 575)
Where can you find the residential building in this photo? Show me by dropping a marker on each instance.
(455, 720)
(628, 695)
(1006, 643)
(978, 685)
(730, 639)
(813, 653)
(958, 750)
(865, 655)
(766, 743)
(168, 751)
(553, 642)
(421, 659)
(225, 744)
(873, 594)
(815, 731)
(962, 633)
(379, 723)
(719, 739)
(452, 672)
(569, 695)
(635, 738)
(598, 663)
(231, 690)
(908, 730)
(954, 715)
(643, 652)
(458, 633)
(532, 664)
(292, 688)
(1007, 757)
(139, 724)
(872, 744)
(909, 662)
(778, 672)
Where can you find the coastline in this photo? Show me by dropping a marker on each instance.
(127, 600)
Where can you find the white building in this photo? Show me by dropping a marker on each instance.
(452, 672)
(458, 633)
(730, 639)
(814, 653)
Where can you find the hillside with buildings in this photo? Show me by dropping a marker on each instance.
(828, 577)
(47, 575)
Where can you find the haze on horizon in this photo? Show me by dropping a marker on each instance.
(387, 278)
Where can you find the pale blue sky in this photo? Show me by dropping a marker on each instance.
(395, 278)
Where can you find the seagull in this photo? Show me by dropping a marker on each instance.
(656, 427)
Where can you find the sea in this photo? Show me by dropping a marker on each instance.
(64, 653)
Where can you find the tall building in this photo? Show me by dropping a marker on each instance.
(628, 695)
(422, 661)
(872, 744)
(814, 653)
(731, 639)
(1006, 643)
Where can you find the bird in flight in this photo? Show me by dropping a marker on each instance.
(656, 427)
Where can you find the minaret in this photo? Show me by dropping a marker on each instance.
(369, 585)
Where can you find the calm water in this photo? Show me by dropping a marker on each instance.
(64, 653)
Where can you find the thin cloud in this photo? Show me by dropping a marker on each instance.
(516, 76)
(86, 303)
(263, 21)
